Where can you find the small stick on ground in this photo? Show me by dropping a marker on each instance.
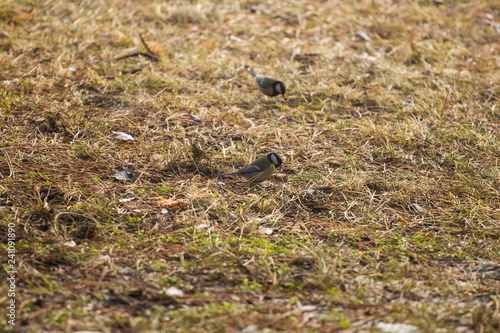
(135, 54)
(146, 45)
(149, 54)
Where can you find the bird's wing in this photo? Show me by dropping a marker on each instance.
(246, 170)
(250, 169)
(265, 82)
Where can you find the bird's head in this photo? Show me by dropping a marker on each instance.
(279, 88)
(274, 159)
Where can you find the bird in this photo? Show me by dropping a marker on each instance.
(269, 86)
(259, 170)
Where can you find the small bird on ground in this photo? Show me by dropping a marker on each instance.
(269, 86)
(260, 169)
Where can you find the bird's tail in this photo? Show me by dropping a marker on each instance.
(251, 71)
(226, 174)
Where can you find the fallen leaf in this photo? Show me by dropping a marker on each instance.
(415, 207)
(196, 119)
(11, 83)
(396, 328)
(363, 36)
(307, 308)
(126, 174)
(70, 243)
(72, 70)
(173, 205)
(267, 231)
(121, 136)
(158, 161)
(173, 291)
(39, 120)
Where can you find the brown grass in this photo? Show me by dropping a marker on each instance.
(386, 211)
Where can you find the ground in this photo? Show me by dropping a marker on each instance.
(384, 216)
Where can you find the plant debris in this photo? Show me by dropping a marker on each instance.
(384, 216)
(126, 174)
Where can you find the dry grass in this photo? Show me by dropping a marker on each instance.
(390, 138)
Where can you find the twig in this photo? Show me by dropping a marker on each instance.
(135, 54)
(145, 45)
(149, 54)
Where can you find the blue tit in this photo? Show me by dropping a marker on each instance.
(269, 86)
(260, 169)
